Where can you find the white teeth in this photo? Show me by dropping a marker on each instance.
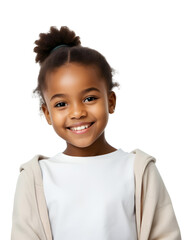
(79, 128)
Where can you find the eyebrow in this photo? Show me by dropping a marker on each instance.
(83, 92)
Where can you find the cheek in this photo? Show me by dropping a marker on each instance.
(57, 118)
(102, 112)
(58, 123)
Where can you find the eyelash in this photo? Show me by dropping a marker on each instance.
(91, 97)
(61, 103)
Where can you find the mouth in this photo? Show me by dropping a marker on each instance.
(81, 129)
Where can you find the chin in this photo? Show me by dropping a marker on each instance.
(81, 143)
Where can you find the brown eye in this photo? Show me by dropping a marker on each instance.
(90, 99)
(61, 104)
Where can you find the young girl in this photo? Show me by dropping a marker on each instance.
(91, 190)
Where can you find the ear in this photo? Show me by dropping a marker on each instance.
(112, 101)
(46, 113)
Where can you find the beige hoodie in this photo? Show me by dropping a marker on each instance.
(155, 216)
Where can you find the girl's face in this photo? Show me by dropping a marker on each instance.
(78, 104)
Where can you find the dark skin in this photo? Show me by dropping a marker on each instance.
(77, 105)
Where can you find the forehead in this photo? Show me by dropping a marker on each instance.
(74, 77)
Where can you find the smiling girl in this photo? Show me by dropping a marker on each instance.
(91, 190)
(77, 106)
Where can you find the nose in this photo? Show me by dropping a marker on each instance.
(77, 110)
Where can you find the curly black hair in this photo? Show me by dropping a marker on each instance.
(59, 47)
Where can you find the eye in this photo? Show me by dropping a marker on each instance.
(90, 98)
(61, 104)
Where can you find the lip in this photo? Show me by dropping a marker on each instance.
(79, 124)
(81, 131)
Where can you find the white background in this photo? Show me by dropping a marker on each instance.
(149, 43)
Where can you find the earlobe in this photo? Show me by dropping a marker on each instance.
(46, 113)
(112, 102)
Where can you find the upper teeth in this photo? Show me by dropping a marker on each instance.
(79, 128)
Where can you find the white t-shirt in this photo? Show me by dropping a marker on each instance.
(90, 198)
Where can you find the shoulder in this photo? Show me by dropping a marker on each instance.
(142, 161)
(33, 162)
(145, 169)
(31, 169)
(148, 178)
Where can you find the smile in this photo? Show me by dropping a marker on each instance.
(81, 129)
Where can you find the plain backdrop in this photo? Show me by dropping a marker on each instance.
(148, 43)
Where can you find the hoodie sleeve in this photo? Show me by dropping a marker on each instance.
(158, 220)
(26, 224)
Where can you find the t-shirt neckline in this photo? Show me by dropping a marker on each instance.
(64, 157)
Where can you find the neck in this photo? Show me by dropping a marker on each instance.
(99, 147)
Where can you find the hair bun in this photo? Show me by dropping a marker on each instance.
(48, 41)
